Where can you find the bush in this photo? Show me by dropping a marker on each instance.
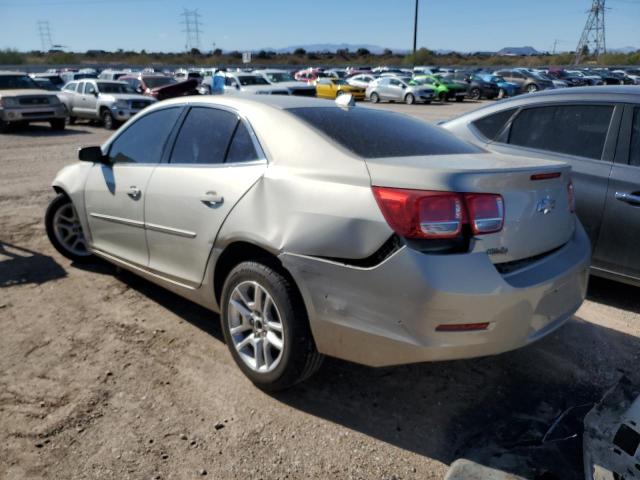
(11, 57)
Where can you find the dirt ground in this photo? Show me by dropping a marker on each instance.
(104, 375)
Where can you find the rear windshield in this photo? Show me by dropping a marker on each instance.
(9, 82)
(373, 133)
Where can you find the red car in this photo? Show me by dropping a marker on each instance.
(160, 87)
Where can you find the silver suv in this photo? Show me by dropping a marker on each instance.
(23, 101)
(112, 102)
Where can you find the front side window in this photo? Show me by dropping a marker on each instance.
(204, 136)
(579, 130)
(70, 87)
(634, 151)
(371, 133)
(491, 125)
(143, 141)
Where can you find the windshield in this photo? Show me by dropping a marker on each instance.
(279, 77)
(337, 81)
(492, 78)
(252, 80)
(9, 82)
(153, 82)
(113, 87)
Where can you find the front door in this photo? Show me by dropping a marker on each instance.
(115, 194)
(213, 163)
(617, 248)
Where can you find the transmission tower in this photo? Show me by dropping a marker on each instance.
(592, 40)
(192, 24)
(44, 30)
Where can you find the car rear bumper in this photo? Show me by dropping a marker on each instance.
(37, 114)
(388, 314)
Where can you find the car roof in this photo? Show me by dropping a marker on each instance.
(280, 102)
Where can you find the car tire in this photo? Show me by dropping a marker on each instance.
(409, 99)
(459, 99)
(442, 96)
(65, 231)
(286, 325)
(72, 120)
(59, 124)
(475, 93)
(108, 121)
(374, 98)
(4, 126)
(532, 88)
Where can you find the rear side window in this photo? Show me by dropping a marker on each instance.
(241, 148)
(579, 130)
(373, 133)
(70, 87)
(143, 141)
(204, 136)
(634, 151)
(491, 125)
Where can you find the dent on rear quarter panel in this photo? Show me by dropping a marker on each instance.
(314, 199)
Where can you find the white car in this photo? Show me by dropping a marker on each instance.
(249, 83)
(284, 79)
(362, 80)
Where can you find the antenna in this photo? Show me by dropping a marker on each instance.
(44, 30)
(592, 41)
(192, 26)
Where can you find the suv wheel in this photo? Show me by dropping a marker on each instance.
(266, 328)
(65, 231)
(108, 121)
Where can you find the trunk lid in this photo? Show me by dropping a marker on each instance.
(537, 215)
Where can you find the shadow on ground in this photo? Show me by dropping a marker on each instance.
(19, 266)
(44, 130)
(480, 408)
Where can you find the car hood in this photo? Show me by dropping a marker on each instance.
(24, 91)
(258, 89)
(294, 84)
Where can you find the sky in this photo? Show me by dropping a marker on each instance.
(462, 25)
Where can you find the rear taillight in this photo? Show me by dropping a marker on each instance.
(571, 197)
(434, 214)
(486, 212)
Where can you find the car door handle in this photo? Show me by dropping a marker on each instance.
(134, 192)
(630, 198)
(211, 199)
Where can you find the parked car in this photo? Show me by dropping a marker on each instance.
(22, 101)
(362, 80)
(248, 83)
(109, 74)
(55, 79)
(111, 102)
(398, 89)
(634, 74)
(334, 87)
(184, 75)
(592, 79)
(607, 77)
(445, 89)
(527, 81)
(505, 89)
(159, 86)
(597, 131)
(309, 75)
(477, 87)
(283, 78)
(444, 252)
(570, 79)
(72, 76)
(45, 84)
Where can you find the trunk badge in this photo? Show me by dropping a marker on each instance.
(546, 205)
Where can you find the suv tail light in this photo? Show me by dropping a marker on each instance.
(434, 214)
(571, 195)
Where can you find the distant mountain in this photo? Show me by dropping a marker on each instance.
(518, 51)
(623, 50)
(333, 47)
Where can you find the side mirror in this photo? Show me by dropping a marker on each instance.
(92, 154)
(95, 94)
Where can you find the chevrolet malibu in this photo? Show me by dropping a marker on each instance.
(319, 229)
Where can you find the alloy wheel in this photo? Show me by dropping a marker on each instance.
(68, 231)
(255, 326)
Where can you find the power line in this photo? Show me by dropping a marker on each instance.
(44, 30)
(192, 26)
(592, 40)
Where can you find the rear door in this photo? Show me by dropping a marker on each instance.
(583, 135)
(617, 248)
(214, 161)
(115, 194)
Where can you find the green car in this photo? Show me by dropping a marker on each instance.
(445, 89)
